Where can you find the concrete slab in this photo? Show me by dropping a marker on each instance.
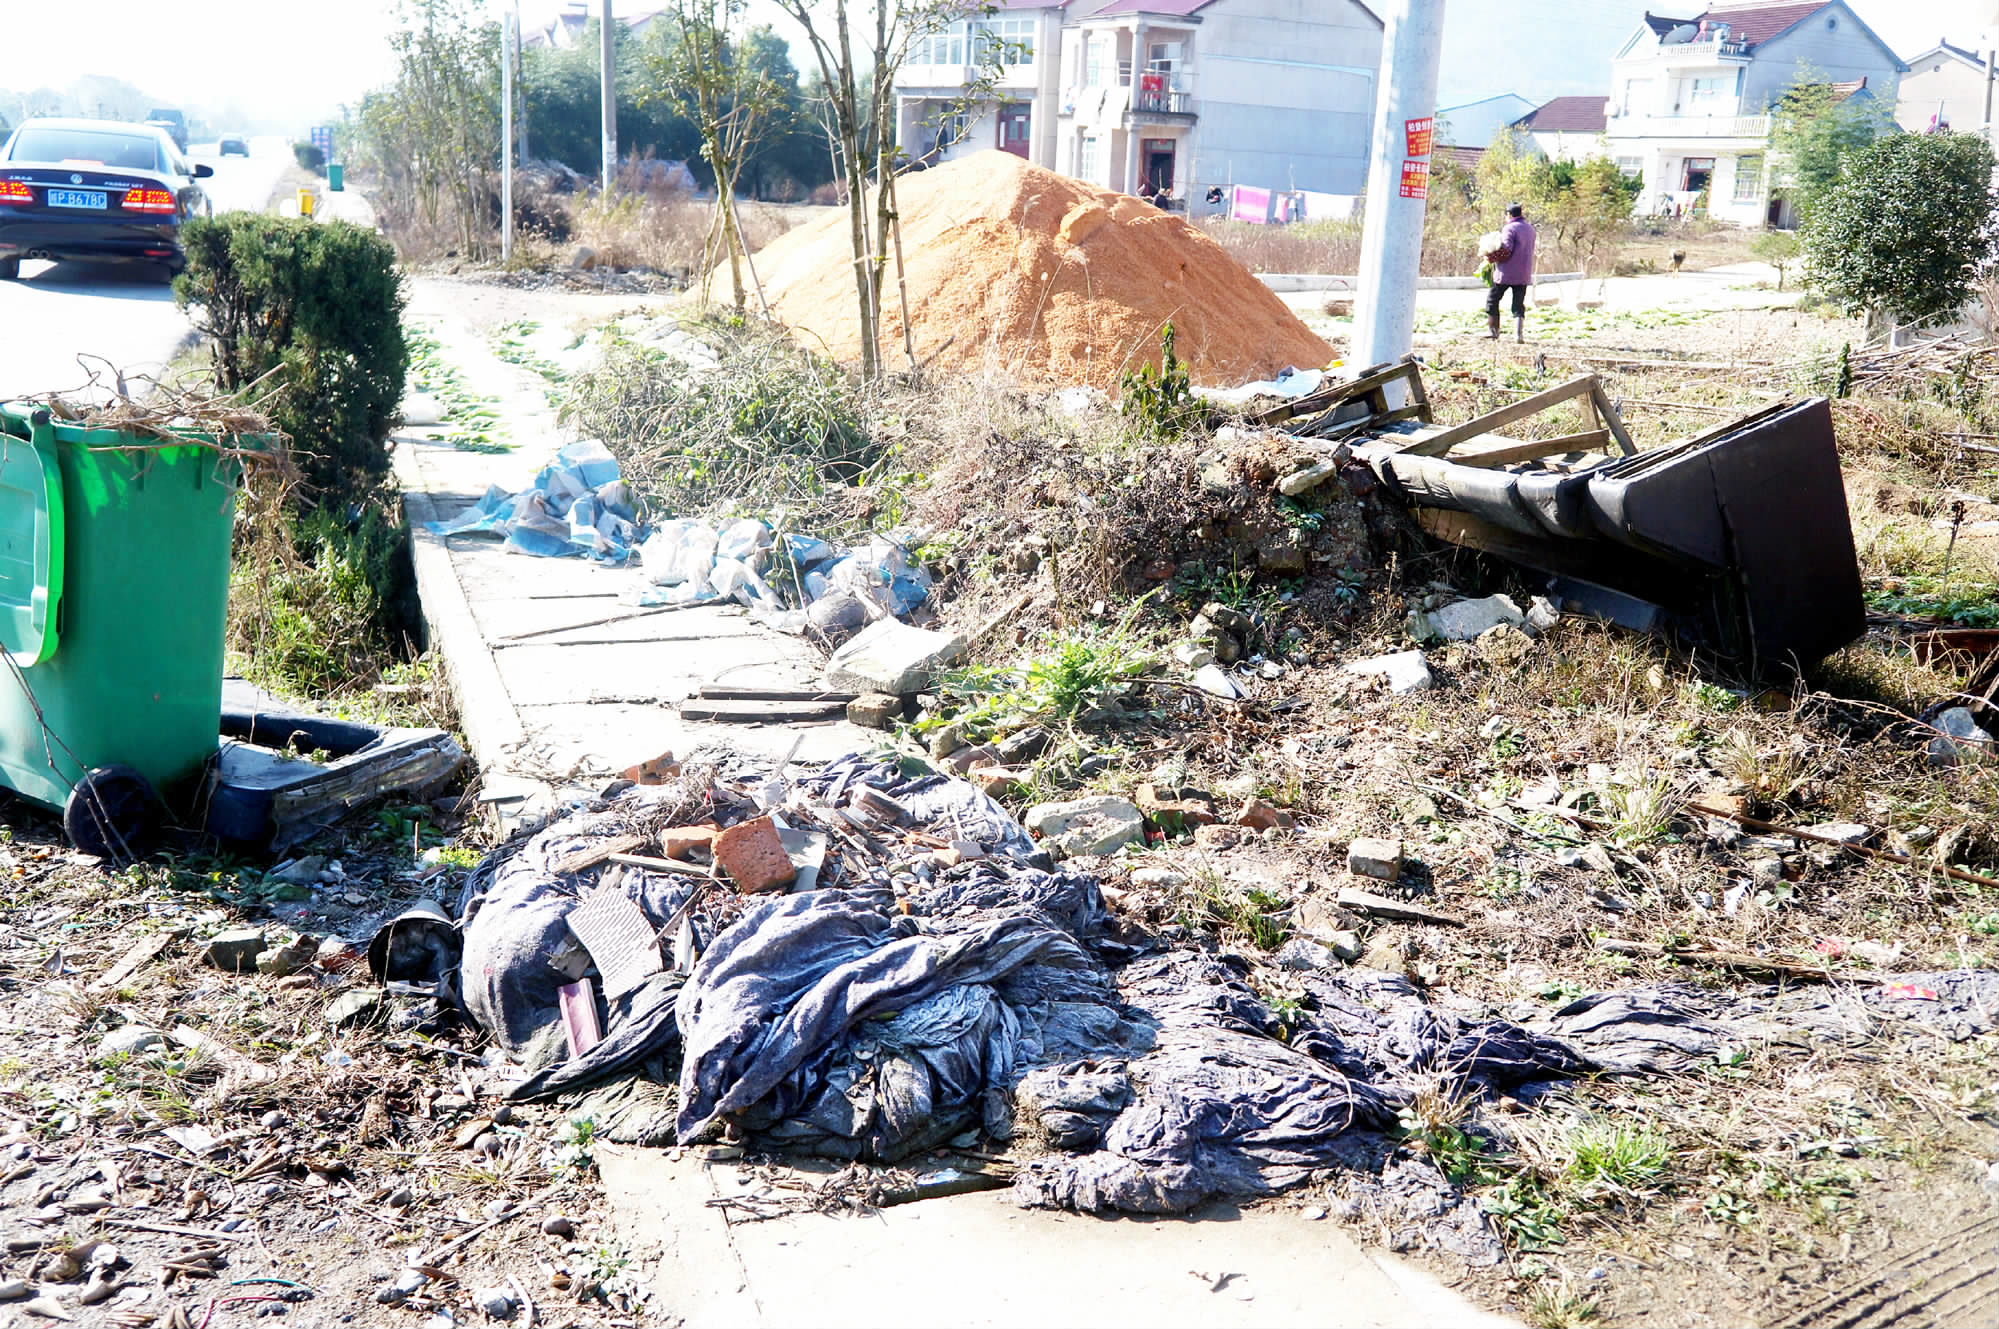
(980, 1260)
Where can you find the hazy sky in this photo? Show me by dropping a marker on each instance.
(299, 58)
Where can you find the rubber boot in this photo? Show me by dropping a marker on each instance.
(1519, 330)
(1492, 327)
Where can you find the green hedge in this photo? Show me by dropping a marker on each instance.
(321, 304)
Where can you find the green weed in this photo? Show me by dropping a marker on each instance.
(1613, 1156)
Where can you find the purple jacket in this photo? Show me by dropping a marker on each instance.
(1517, 268)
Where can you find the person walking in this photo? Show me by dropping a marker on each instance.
(1513, 271)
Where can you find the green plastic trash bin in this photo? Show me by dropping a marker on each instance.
(336, 176)
(114, 586)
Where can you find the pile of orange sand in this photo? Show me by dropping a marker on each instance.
(1014, 268)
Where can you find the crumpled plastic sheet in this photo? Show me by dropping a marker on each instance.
(688, 562)
(578, 504)
(896, 1014)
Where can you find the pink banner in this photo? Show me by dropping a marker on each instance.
(1249, 204)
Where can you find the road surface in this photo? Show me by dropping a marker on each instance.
(58, 312)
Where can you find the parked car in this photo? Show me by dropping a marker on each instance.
(233, 145)
(96, 190)
(167, 118)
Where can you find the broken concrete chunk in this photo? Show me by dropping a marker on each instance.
(1846, 832)
(284, 961)
(979, 754)
(752, 853)
(1406, 671)
(890, 656)
(875, 710)
(1193, 655)
(1504, 645)
(1173, 809)
(1466, 619)
(1961, 740)
(1211, 680)
(1304, 954)
(1258, 815)
(1161, 878)
(993, 780)
(128, 1040)
(237, 949)
(1024, 745)
(1311, 477)
(1379, 859)
(354, 1007)
(1542, 615)
(1227, 619)
(1086, 826)
(1218, 837)
(1344, 945)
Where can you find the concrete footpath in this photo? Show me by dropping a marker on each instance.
(978, 1260)
(558, 687)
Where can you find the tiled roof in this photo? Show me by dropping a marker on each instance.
(1566, 115)
(1841, 91)
(1179, 7)
(1756, 24)
(1465, 159)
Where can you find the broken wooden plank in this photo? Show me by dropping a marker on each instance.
(1737, 961)
(1506, 451)
(585, 859)
(652, 864)
(1441, 442)
(141, 953)
(1367, 902)
(1611, 419)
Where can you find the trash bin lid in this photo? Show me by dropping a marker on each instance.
(31, 535)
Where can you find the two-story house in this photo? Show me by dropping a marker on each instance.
(1690, 97)
(1950, 83)
(1146, 96)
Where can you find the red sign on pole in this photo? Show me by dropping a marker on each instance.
(1415, 179)
(1422, 135)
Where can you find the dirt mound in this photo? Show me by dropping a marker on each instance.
(1019, 269)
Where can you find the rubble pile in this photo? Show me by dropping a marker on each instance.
(1017, 269)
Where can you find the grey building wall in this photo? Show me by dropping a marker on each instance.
(1286, 94)
(1839, 53)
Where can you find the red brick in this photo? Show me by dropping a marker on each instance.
(1260, 816)
(1173, 809)
(754, 857)
(682, 841)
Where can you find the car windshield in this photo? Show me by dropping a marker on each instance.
(127, 152)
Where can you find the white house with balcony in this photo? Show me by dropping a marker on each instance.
(1690, 99)
(1145, 96)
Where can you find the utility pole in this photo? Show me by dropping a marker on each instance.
(1991, 67)
(1398, 182)
(507, 139)
(610, 62)
(521, 111)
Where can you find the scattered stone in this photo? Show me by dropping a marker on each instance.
(1024, 745)
(237, 949)
(1162, 878)
(1193, 655)
(963, 760)
(583, 259)
(1379, 859)
(356, 1007)
(1388, 954)
(1961, 740)
(496, 1302)
(753, 855)
(1314, 1214)
(945, 741)
(1311, 477)
(409, 1281)
(1380, 906)
(875, 710)
(420, 410)
(1174, 809)
(556, 1225)
(1218, 837)
(1344, 945)
(46, 1307)
(14, 1289)
(1406, 671)
(1211, 680)
(301, 871)
(890, 656)
(1086, 826)
(1469, 619)
(1505, 645)
(1542, 615)
(1283, 552)
(129, 1040)
(1226, 619)
(1766, 872)
(1846, 832)
(335, 954)
(840, 612)
(993, 781)
(1258, 815)
(284, 961)
(1569, 856)
(1303, 954)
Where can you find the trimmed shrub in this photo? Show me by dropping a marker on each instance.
(309, 157)
(318, 308)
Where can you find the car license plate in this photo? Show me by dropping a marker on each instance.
(76, 198)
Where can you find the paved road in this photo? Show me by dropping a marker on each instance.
(57, 312)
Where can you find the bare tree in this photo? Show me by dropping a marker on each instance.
(858, 68)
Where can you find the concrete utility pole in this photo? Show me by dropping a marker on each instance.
(507, 139)
(1398, 182)
(610, 62)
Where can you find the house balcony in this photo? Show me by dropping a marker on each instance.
(1708, 53)
(1157, 96)
(1754, 128)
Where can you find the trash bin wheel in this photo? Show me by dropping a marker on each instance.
(109, 811)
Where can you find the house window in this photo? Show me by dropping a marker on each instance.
(1705, 91)
(1749, 178)
(1089, 162)
(945, 47)
(1010, 40)
(1093, 63)
(1631, 168)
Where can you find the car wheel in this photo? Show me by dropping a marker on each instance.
(10, 269)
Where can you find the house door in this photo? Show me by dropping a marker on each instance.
(1698, 174)
(1159, 156)
(1014, 124)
